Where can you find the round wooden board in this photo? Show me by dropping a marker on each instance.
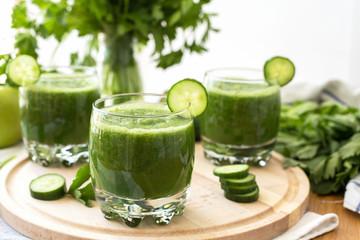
(208, 215)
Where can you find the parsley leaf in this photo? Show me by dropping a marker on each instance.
(307, 152)
(351, 148)
(322, 139)
(85, 194)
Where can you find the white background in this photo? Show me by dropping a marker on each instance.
(322, 38)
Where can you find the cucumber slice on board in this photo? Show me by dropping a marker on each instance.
(187, 91)
(243, 198)
(280, 69)
(239, 189)
(48, 187)
(230, 182)
(232, 171)
(23, 70)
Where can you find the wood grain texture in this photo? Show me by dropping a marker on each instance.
(349, 221)
(208, 215)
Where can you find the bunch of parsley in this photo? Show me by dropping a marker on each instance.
(124, 23)
(322, 139)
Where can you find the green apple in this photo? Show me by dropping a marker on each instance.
(10, 132)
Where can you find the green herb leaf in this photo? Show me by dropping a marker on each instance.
(82, 175)
(307, 152)
(170, 59)
(85, 194)
(351, 148)
(323, 140)
(333, 165)
(137, 20)
(26, 43)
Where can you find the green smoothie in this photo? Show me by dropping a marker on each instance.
(57, 109)
(241, 114)
(149, 155)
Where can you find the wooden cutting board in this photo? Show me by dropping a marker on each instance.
(208, 215)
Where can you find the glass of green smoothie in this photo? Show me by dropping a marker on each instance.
(241, 121)
(55, 114)
(141, 157)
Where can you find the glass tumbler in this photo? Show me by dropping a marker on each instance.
(141, 157)
(241, 121)
(55, 114)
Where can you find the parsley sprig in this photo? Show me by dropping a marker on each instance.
(84, 194)
(323, 140)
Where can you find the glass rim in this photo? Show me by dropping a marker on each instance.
(85, 72)
(187, 109)
(219, 74)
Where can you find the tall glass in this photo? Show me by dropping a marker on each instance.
(55, 114)
(141, 157)
(242, 118)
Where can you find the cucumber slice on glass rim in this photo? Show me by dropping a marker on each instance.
(280, 70)
(23, 70)
(50, 186)
(188, 91)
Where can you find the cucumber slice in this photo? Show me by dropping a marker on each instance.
(232, 171)
(48, 187)
(243, 198)
(239, 189)
(187, 91)
(279, 69)
(23, 70)
(234, 182)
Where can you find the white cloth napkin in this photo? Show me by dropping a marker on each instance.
(335, 90)
(352, 195)
(310, 226)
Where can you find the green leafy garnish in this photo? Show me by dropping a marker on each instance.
(85, 194)
(6, 161)
(322, 139)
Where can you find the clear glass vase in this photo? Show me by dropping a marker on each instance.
(120, 71)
